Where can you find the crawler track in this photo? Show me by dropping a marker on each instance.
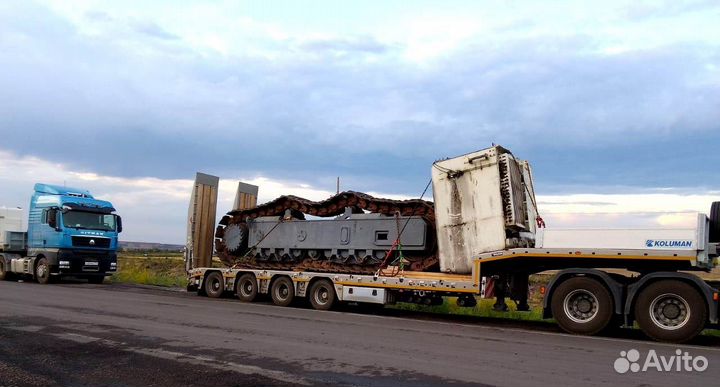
(330, 207)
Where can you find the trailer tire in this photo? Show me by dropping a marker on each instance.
(322, 295)
(214, 284)
(671, 311)
(582, 306)
(282, 291)
(715, 222)
(246, 287)
(3, 273)
(42, 271)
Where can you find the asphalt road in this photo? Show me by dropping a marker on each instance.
(119, 335)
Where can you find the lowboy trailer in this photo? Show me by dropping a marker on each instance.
(669, 305)
(487, 226)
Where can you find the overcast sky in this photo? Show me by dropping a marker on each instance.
(616, 104)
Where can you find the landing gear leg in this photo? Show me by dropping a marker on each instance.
(519, 290)
(500, 291)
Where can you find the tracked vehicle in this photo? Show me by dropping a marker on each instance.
(363, 229)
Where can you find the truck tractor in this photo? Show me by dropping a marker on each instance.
(69, 233)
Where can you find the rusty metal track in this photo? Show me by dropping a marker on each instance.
(330, 207)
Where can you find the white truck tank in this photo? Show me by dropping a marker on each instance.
(11, 228)
(484, 201)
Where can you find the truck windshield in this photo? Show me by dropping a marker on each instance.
(89, 220)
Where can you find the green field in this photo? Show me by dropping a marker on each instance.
(151, 269)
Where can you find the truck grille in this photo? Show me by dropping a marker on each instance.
(83, 241)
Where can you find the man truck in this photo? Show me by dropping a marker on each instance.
(484, 223)
(69, 233)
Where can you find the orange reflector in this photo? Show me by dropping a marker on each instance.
(542, 291)
(715, 296)
(578, 253)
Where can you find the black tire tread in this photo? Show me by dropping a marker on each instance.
(240, 279)
(689, 293)
(599, 323)
(715, 222)
(332, 296)
(276, 283)
(43, 281)
(209, 291)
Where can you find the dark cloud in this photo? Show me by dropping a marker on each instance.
(126, 106)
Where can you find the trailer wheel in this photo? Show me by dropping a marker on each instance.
(42, 271)
(322, 295)
(582, 306)
(715, 222)
(3, 273)
(671, 310)
(246, 288)
(282, 291)
(214, 285)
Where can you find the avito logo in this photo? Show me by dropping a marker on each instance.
(679, 362)
(668, 243)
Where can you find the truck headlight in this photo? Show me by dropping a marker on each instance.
(64, 264)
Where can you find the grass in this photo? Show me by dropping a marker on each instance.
(160, 270)
(482, 309)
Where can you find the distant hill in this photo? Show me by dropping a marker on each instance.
(127, 245)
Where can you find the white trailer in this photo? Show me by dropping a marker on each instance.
(487, 225)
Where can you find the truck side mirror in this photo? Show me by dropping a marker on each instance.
(52, 218)
(119, 223)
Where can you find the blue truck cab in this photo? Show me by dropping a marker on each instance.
(70, 233)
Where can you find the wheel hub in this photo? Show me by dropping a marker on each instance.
(580, 306)
(584, 306)
(322, 296)
(669, 311)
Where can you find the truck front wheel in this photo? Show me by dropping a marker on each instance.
(670, 310)
(42, 271)
(582, 306)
